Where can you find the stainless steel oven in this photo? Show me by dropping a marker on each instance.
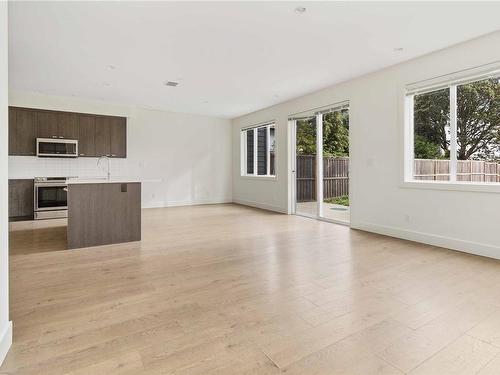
(51, 197)
(55, 147)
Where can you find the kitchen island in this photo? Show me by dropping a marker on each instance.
(102, 212)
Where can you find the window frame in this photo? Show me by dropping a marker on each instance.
(243, 149)
(450, 82)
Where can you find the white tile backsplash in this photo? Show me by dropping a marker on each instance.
(30, 166)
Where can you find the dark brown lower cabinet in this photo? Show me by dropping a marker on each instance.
(21, 199)
(103, 213)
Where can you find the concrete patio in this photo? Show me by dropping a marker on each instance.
(330, 211)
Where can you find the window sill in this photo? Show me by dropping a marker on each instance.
(264, 178)
(483, 187)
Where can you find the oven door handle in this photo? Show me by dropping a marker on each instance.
(35, 200)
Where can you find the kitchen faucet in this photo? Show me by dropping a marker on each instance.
(107, 158)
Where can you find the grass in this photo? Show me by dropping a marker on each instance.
(342, 200)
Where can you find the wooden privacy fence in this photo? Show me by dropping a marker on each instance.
(335, 177)
(467, 170)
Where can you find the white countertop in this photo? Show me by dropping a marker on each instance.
(101, 181)
(112, 180)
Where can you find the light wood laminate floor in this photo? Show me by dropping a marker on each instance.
(226, 289)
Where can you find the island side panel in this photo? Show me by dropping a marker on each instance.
(103, 213)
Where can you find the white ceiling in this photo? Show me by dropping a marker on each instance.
(230, 58)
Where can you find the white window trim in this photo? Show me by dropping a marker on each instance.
(453, 133)
(451, 82)
(243, 156)
(319, 164)
(268, 150)
(482, 187)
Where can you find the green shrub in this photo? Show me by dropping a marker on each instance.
(342, 200)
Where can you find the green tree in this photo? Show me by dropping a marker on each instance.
(306, 136)
(431, 123)
(336, 133)
(478, 122)
(425, 149)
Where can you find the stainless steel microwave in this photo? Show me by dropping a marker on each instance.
(56, 147)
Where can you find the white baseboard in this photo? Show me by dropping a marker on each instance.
(263, 206)
(476, 248)
(161, 204)
(5, 340)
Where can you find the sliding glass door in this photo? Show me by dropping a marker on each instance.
(335, 165)
(305, 170)
(321, 169)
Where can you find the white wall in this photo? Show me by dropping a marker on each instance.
(5, 324)
(461, 220)
(181, 159)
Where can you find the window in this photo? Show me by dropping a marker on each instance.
(455, 131)
(258, 145)
(431, 140)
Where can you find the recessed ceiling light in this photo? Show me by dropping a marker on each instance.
(171, 83)
(398, 49)
(300, 10)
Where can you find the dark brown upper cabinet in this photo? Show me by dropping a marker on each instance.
(86, 135)
(118, 132)
(22, 132)
(52, 124)
(47, 124)
(67, 125)
(12, 131)
(97, 135)
(111, 136)
(103, 136)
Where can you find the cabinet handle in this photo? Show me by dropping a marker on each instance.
(82, 154)
(113, 155)
(54, 136)
(61, 137)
